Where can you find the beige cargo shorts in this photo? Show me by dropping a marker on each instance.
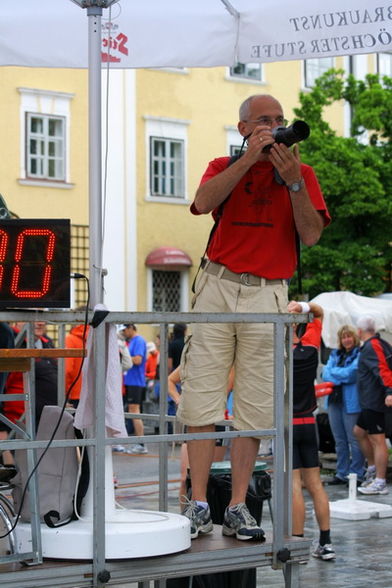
(212, 349)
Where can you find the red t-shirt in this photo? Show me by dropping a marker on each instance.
(256, 233)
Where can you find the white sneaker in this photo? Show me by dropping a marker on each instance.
(369, 477)
(118, 449)
(138, 449)
(324, 552)
(374, 488)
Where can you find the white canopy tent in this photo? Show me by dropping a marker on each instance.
(198, 33)
(156, 33)
(344, 308)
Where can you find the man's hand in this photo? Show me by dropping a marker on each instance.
(287, 162)
(388, 400)
(260, 138)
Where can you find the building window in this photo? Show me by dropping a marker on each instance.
(45, 121)
(45, 147)
(167, 167)
(166, 154)
(314, 68)
(234, 141)
(166, 291)
(384, 64)
(234, 150)
(247, 71)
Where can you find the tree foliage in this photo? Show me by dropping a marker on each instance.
(355, 251)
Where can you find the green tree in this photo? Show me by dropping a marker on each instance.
(355, 251)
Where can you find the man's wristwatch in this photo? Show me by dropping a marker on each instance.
(296, 186)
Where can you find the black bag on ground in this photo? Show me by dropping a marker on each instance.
(218, 497)
(219, 494)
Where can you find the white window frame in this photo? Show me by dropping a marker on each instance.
(166, 129)
(184, 288)
(171, 69)
(320, 65)
(246, 78)
(48, 155)
(233, 140)
(382, 58)
(45, 104)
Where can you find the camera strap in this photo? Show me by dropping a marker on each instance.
(281, 181)
(218, 217)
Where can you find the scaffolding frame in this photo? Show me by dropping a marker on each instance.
(280, 550)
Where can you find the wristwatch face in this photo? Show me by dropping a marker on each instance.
(296, 186)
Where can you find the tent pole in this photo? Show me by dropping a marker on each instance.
(94, 14)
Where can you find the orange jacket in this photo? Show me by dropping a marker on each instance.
(151, 365)
(74, 340)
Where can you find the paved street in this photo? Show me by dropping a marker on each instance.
(363, 548)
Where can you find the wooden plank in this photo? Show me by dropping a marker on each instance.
(15, 364)
(28, 353)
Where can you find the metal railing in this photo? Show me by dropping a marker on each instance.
(281, 431)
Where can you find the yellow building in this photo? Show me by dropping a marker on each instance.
(163, 126)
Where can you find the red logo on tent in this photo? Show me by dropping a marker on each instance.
(114, 44)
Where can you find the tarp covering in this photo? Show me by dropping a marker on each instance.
(192, 33)
(344, 308)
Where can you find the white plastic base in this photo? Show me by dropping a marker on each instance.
(352, 509)
(358, 510)
(129, 534)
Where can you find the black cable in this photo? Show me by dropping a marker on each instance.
(77, 276)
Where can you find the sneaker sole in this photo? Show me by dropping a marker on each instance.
(203, 530)
(324, 557)
(328, 557)
(372, 492)
(230, 532)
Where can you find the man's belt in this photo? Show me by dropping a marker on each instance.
(304, 420)
(220, 271)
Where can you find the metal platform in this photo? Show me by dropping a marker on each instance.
(208, 554)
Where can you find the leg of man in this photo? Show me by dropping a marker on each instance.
(243, 456)
(298, 520)
(201, 454)
(364, 443)
(137, 423)
(380, 453)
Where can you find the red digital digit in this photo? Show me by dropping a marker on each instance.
(3, 251)
(47, 270)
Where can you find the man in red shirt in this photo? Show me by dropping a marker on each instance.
(249, 259)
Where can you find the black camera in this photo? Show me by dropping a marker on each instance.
(295, 133)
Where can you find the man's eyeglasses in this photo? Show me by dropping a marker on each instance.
(268, 121)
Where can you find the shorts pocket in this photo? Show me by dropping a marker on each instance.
(281, 298)
(199, 287)
(184, 358)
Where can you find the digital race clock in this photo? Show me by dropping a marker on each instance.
(35, 263)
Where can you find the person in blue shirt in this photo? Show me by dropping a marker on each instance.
(135, 380)
(343, 405)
